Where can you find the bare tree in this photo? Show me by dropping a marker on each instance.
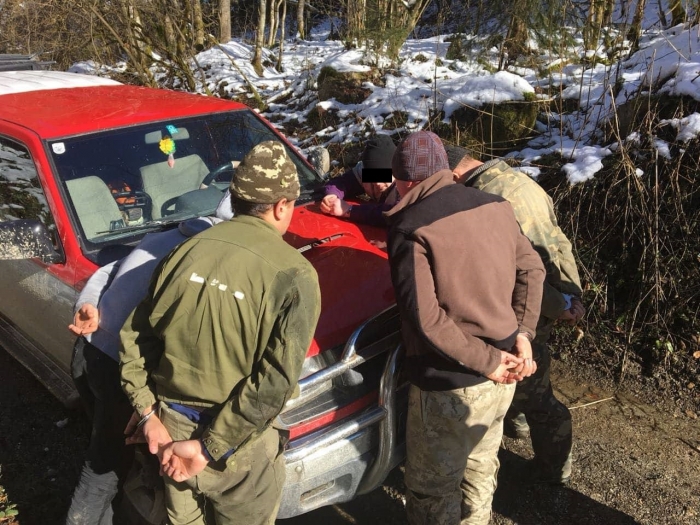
(198, 23)
(301, 29)
(274, 21)
(356, 11)
(591, 28)
(259, 38)
(282, 35)
(224, 20)
(635, 30)
(677, 12)
(383, 25)
(516, 39)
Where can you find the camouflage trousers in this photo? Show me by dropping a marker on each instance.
(549, 421)
(244, 489)
(452, 441)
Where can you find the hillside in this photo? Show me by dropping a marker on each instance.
(610, 133)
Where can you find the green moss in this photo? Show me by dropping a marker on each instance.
(455, 51)
(344, 87)
(319, 118)
(499, 127)
(529, 96)
(326, 72)
(395, 120)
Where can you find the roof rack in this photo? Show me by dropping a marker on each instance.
(10, 62)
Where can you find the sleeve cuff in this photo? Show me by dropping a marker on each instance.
(215, 449)
(567, 298)
(527, 334)
(205, 451)
(530, 334)
(143, 400)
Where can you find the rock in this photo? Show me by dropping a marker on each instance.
(346, 88)
(499, 127)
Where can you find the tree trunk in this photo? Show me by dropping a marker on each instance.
(282, 34)
(274, 21)
(635, 30)
(198, 23)
(259, 38)
(301, 30)
(608, 12)
(677, 12)
(224, 21)
(404, 18)
(355, 22)
(517, 43)
(594, 23)
(170, 38)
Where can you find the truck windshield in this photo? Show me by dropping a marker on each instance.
(124, 182)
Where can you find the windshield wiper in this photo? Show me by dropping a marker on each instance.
(319, 242)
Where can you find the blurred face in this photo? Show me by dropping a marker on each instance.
(375, 189)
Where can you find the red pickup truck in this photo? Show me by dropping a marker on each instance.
(82, 180)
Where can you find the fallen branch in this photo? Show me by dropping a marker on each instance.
(592, 403)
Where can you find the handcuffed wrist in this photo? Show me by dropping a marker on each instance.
(528, 335)
(145, 418)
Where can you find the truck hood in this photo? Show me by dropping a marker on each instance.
(352, 268)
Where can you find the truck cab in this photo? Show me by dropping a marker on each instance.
(88, 166)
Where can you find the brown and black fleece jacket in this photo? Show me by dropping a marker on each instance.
(466, 281)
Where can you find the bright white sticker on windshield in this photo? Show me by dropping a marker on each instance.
(58, 148)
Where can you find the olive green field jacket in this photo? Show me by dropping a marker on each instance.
(225, 326)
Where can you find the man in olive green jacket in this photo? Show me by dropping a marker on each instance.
(220, 341)
(534, 404)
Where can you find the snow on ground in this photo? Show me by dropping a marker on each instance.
(425, 82)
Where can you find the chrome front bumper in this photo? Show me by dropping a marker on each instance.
(349, 458)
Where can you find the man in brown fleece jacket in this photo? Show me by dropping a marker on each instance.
(469, 287)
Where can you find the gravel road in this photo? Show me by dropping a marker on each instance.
(634, 463)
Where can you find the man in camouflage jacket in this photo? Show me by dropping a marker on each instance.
(534, 403)
(219, 341)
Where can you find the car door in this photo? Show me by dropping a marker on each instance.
(35, 304)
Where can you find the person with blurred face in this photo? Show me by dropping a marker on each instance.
(370, 176)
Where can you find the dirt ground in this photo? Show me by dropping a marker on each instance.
(634, 462)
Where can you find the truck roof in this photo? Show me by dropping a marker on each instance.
(57, 104)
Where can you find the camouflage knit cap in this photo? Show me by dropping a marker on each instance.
(266, 175)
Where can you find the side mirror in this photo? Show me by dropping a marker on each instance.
(320, 159)
(27, 239)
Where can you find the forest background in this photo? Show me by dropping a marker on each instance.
(599, 100)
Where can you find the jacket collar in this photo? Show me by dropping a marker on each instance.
(483, 169)
(255, 221)
(426, 188)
